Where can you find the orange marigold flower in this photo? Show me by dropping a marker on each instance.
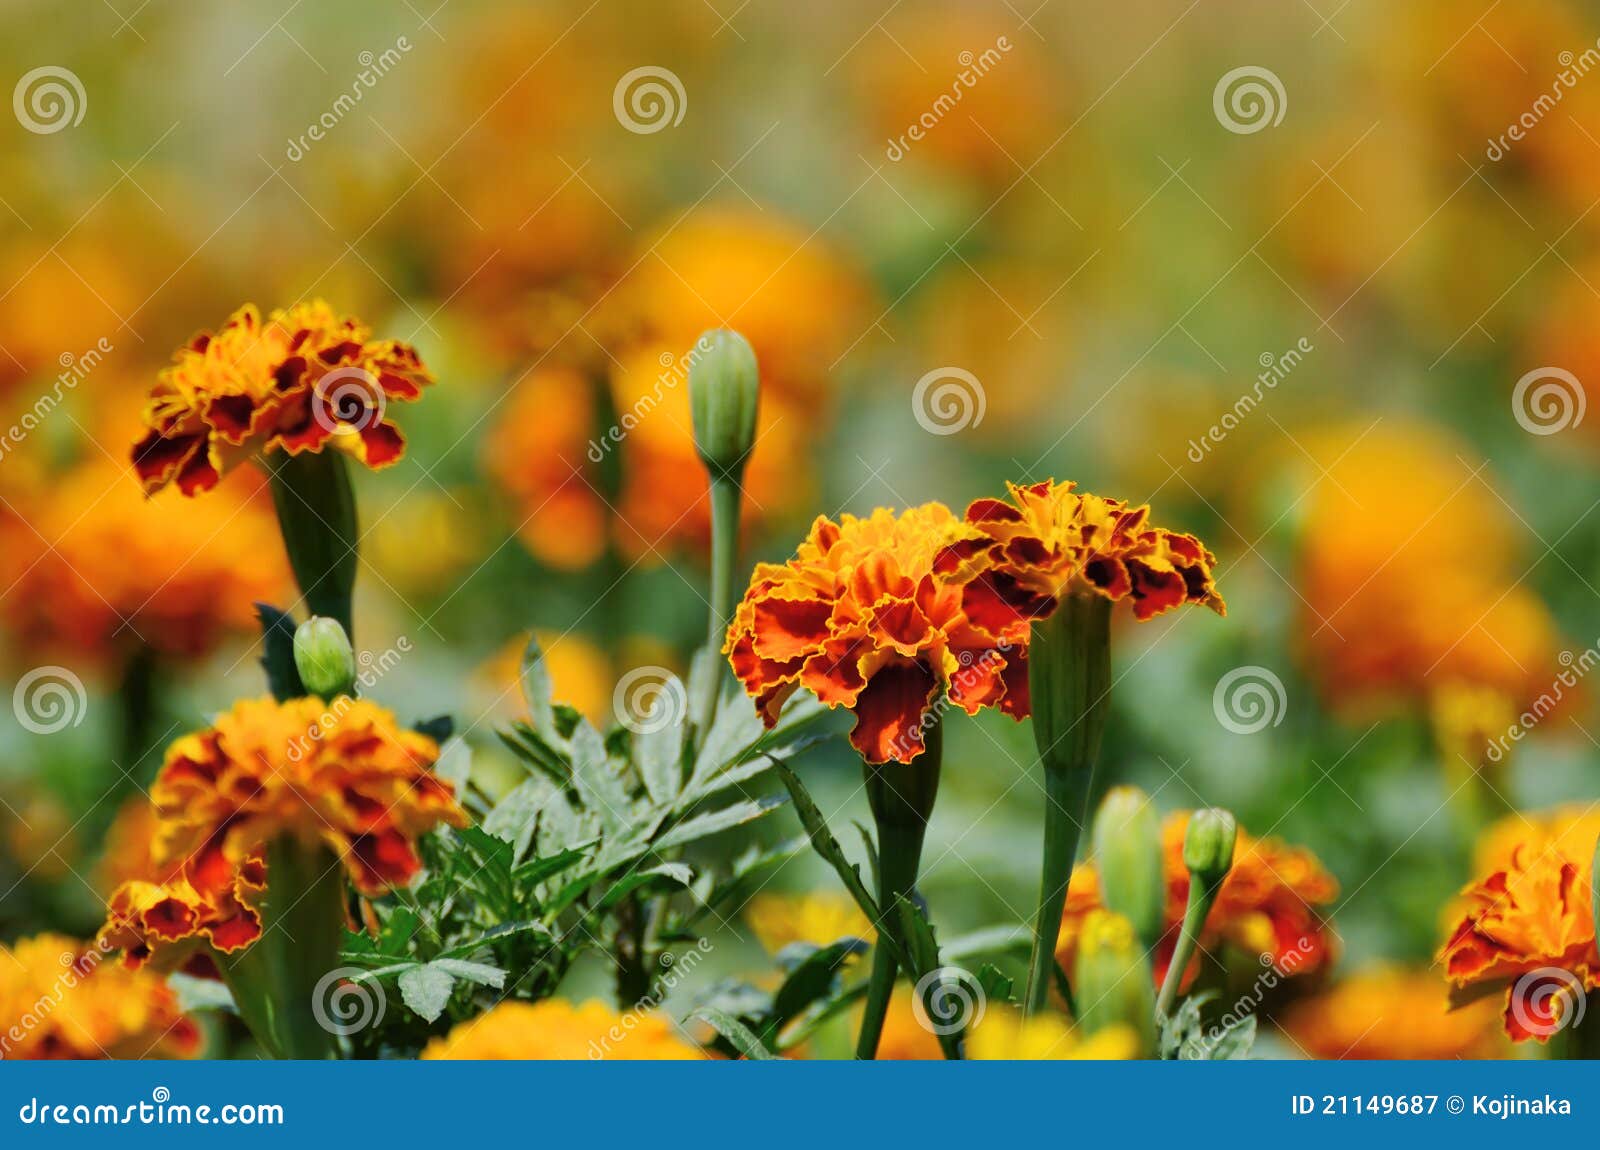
(867, 616)
(1527, 923)
(103, 570)
(1049, 540)
(1267, 905)
(167, 921)
(62, 999)
(556, 1030)
(299, 380)
(1390, 1013)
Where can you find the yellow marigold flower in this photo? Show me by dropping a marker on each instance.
(817, 918)
(108, 570)
(300, 380)
(865, 617)
(1424, 594)
(1050, 540)
(556, 1030)
(1005, 1035)
(1267, 904)
(64, 999)
(343, 773)
(1470, 723)
(1391, 1013)
(1527, 922)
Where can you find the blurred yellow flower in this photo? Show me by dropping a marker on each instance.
(1392, 1013)
(581, 672)
(557, 1030)
(1000, 1034)
(818, 918)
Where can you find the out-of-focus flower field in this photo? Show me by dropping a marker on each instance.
(1319, 283)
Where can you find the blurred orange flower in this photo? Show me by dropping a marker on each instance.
(557, 1030)
(1527, 923)
(62, 999)
(818, 918)
(1391, 1013)
(299, 380)
(865, 618)
(1268, 905)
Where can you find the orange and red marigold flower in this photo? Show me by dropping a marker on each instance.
(1528, 923)
(1268, 905)
(865, 617)
(343, 774)
(297, 380)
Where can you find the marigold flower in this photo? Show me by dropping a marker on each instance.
(556, 1030)
(1049, 540)
(343, 773)
(866, 617)
(1392, 1013)
(818, 918)
(1267, 904)
(1527, 922)
(1001, 1035)
(63, 999)
(300, 380)
(103, 568)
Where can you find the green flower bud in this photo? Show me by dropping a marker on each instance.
(1127, 848)
(1113, 984)
(724, 389)
(323, 656)
(1208, 845)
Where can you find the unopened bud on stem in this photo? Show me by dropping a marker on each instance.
(724, 391)
(323, 656)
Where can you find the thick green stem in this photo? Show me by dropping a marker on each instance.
(901, 796)
(276, 980)
(316, 506)
(727, 497)
(1069, 682)
(1195, 911)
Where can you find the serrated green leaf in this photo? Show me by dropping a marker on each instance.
(810, 979)
(537, 689)
(670, 873)
(516, 816)
(277, 652)
(426, 990)
(996, 986)
(478, 972)
(604, 790)
(714, 822)
(740, 1036)
(922, 949)
(535, 871)
(658, 749)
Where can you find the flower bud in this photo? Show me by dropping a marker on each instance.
(1208, 845)
(1113, 984)
(323, 656)
(1127, 848)
(724, 389)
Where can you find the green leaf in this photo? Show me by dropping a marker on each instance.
(515, 817)
(277, 652)
(454, 764)
(714, 822)
(922, 950)
(537, 689)
(670, 874)
(987, 942)
(813, 976)
(478, 972)
(499, 933)
(439, 728)
(737, 1033)
(605, 792)
(535, 871)
(658, 748)
(996, 987)
(537, 752)
(426, 990)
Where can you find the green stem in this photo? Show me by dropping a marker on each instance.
(727, 496)
(1069, 683)
(316, 506)
(901, 796)
(1194, 920)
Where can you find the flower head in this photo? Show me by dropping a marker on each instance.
(558, 1030)
(1048, 540)
(821, 919)
(62, 999)
(298, 380)
(1527, 922)
(1267, 904)
(1001, 1034)
(1390, 1013)
(866, 617)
